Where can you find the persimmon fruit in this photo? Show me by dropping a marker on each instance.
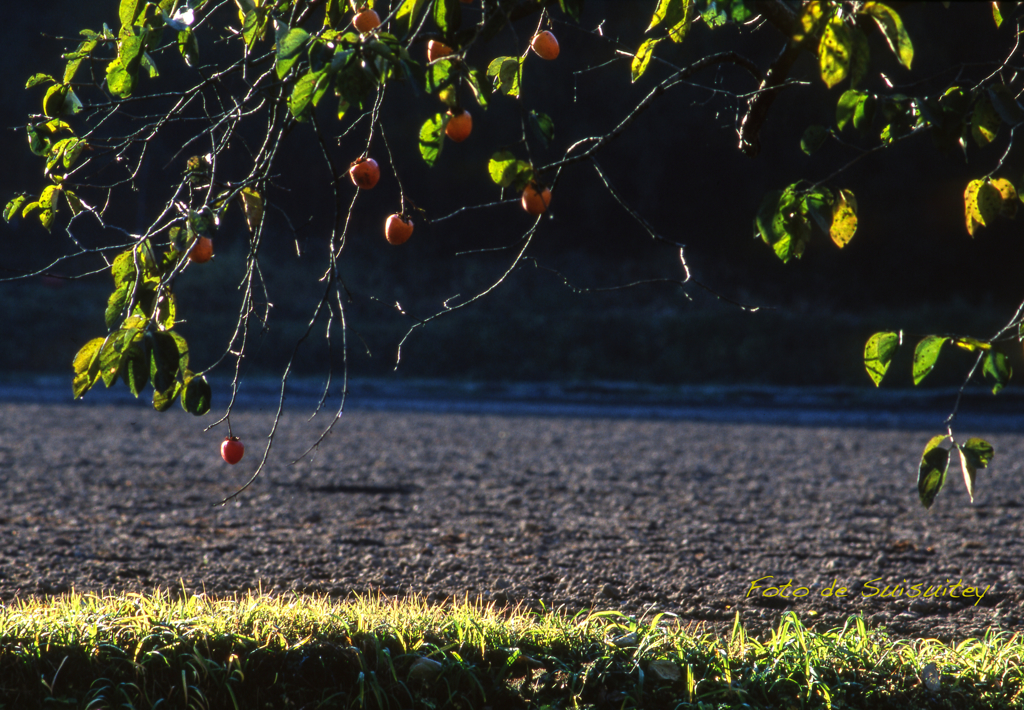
(397, 229)
(460, 125)
(545, 45)
(364, 173)
(232, 449)
(202, 250)
(366, 20)
(436, 50)
(535, 201)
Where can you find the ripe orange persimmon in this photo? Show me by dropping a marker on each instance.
(545, 45)
(460, 125)
(397, 229)
(436, 50)
(201, 251)
(366, 20)
(535, 201)
(364, 173)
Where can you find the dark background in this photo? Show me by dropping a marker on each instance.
(911, 264)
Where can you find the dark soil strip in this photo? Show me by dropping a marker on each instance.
(636, 515)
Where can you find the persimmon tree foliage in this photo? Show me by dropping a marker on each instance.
(327, 68)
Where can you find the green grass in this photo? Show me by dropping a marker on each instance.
(260, 651)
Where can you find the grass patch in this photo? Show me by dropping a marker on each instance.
(259, 651)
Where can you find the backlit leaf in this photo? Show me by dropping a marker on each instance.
(996, 366)
(252, 205)
(974, 454)
(892, 28)
(844, 218)
(129, 10)
(982, 203)
(86, 367)
(677, 14)
(1008, 194)
(860, 56)
(162, 400)
(12, 208)
(926, 354)
(196, 397)
(135, 370)
(448, 15)
(109, 361)
(117, 303)
(812, 16)
(834, 53)
(544, 125)
(643, 58)
(847, 107)
(289, 50)
(188, 46)
(431, 137)
(985, 121)
(931, 473)
(37, 79)
(878, 354)
(408, 12)
(506, 72)
(502, 168)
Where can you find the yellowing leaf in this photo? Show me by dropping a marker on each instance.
(643, 58)
(893, 30)
(844, 218)
(252, 205)
(878, 354)
(1008, 193)
(834, 52)
(982, 202)
(813, 15)
(931, 473)
(985, 121)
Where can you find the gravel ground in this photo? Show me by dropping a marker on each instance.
(604, 513)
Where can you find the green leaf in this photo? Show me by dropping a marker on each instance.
(502, 168)
(75, 59)
(844, 218)
(834, 52)
(506, 72)
(848, 105)
(120, 81)
(72, 149)
(478, 89)
(110, 360)
(974, 454)
(892, 28)
(124, 267)
(643, 58)
(129, 10)
(166, 311)
(812, 138)
(182, 346)
(931, 474)
(188, 46)
(46, 218)
(996, 366)
(289, 49)
(196, 397)
(54, 100)
(302, 93)
(135, 365)
(49, 196)
(117, 303)
(254, 26)
(448, 16)
(163, 360)
(11, 210)
(438, 75)
(879, 352)
(677, 14)
(86, 366)
(432, 138)
(408, 12)
(37, 79)
(925, 356)
(162, 400)
(544, 125)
